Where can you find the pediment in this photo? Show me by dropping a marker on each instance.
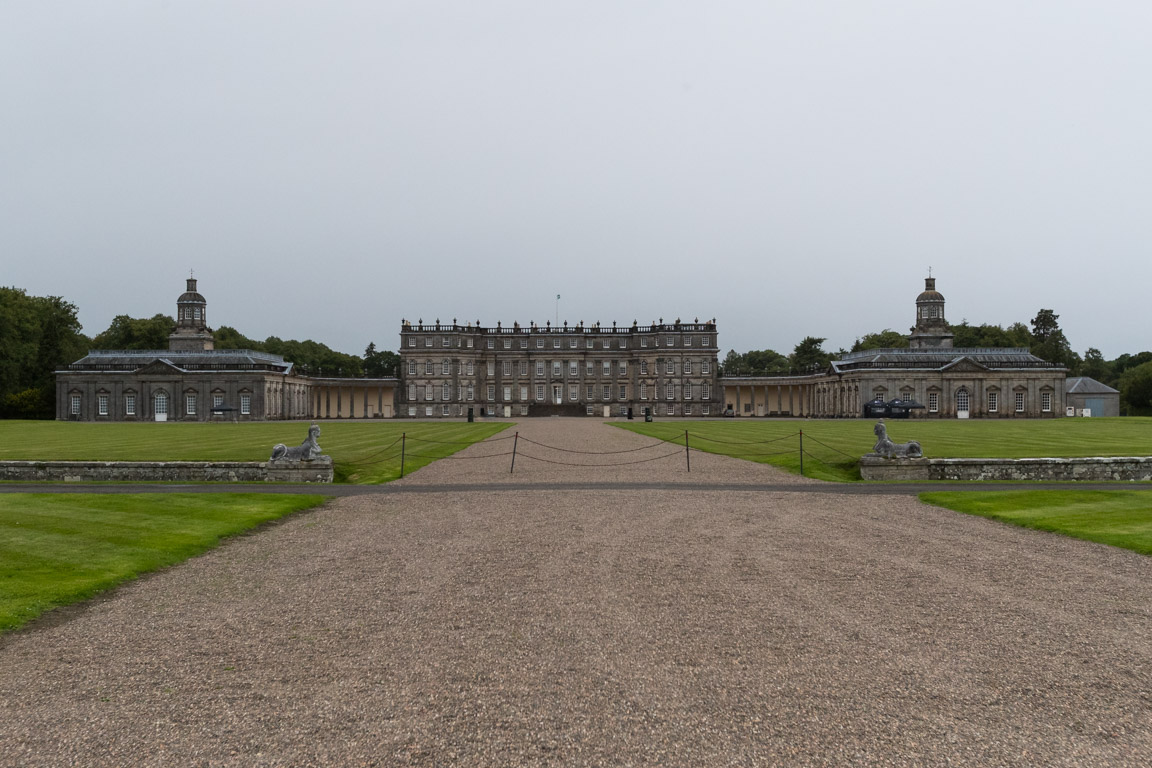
(157, 367)
(965, 365)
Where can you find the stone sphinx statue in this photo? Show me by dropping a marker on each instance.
(308, 450)
(890, 450)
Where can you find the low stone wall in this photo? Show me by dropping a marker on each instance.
(1118, 468)
(317, 471)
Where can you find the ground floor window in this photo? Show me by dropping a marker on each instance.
(623, 391)
(643, 391)
(411, 410)
(129, 405)
(1046, 402)
(704, 410)
(524, 410)
(539, 391)
(573, 391)
(706, 392)
(102, 405)
(443, 410)
(1019, 402)
(75, 406)
(491, 393)
(933, 402)
(246, 404)
(427, 410)
(507, 394)
(160, 404)
(993, 402)
(217, 401)
(962, 400)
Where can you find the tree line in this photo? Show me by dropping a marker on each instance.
(1129, 373)
(40, 335)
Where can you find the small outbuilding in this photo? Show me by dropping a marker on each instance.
(1087, 397)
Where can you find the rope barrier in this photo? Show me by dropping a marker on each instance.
(595, 453)
(458, 458)
(521, 454)
(829, 447)
(461, 442)
(373, 455)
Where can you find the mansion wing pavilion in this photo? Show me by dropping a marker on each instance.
(949, 382)
(453, 370)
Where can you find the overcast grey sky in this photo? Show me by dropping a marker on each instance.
(790, 168)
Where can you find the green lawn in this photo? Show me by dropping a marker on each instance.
(1119, 518)
(833, 446)
(57, 549)
(362, 452)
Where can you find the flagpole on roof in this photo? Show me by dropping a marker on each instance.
(556, 320)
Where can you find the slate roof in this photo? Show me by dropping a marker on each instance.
(128, 360)
(1083, 385)
(993, 358)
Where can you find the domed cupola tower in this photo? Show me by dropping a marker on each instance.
(192, 332)
(931, 329)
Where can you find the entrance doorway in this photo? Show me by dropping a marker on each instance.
(962, 404)
(558, 394)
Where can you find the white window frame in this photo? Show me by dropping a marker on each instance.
(491, 393)
(102, 404)
(189, 404)
(471, 393)
(643, 341)
(412, 392)
(491, 367)
(588, 344)
(411, 367)
(671, 341)
(74, 407)
(1046, 402)
(705, 366)
(556, 343)
(490, 343)
(571, 343)
(428, 367)
(687, 367)
(507, 394)
(471, 368)
(539, 342)
(573, 368)
(643, 367)
(590, 368)
(245, 404)
(623, 391)
(993, 402)
(445, 391)
(523, 367)
(706, 392)
(933, 402)
(540, 392)
(622, 368)
(607, 392)
(573, 392)
(507, 368)
(130, 404)
(607, 368)
(557, 368)
(643, 390)
(427, 341)
(429, 392)
(539, 369)
(523, 393)
(411, 341)
(446, 368)
(1020, 400)
(507, 343)
(217, 401)
(670, 393)
(670, 367)
(623, 343)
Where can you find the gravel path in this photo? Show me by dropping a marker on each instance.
(657, 627)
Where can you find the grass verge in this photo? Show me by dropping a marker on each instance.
(365, 452)
(833, 447)
(1118, 518)
(57, 549)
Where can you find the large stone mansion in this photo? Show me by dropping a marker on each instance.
(450, 370)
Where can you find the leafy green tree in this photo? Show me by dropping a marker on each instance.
(136, 333)
(227, 337)
(809, 356)
(1095, 366)
(38, 335)
(1136, 390)
(1049, 342)
(885, 339)
(379, 363)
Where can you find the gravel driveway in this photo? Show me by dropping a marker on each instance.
(626, 627)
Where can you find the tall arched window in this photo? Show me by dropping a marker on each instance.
(962, 400)
(160, 404)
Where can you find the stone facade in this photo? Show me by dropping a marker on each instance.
(318, 471)
(1095, 469)
(949, 382)
(534, 370)
(1084, 395)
